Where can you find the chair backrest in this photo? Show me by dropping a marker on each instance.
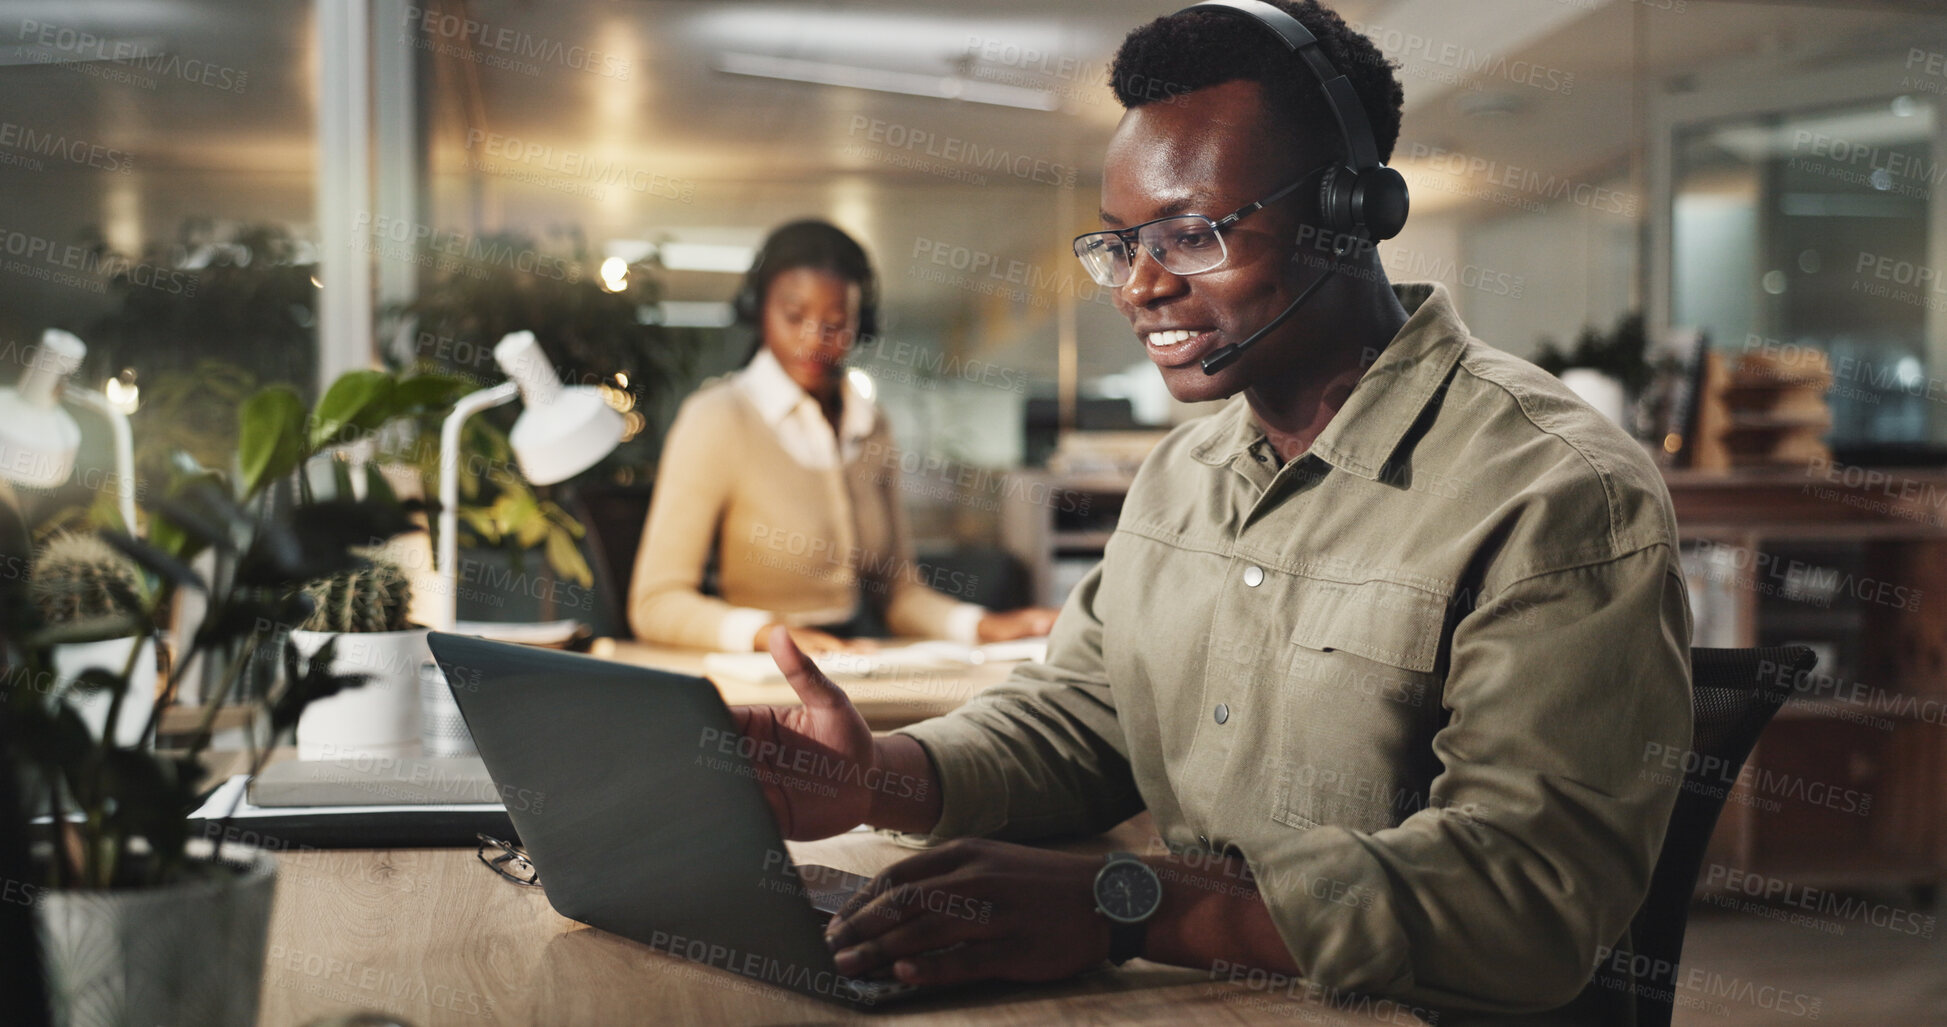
(1734, 693)
(613, 515)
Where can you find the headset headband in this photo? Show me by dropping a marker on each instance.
(1362, 150)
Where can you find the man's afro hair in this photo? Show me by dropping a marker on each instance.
(1181, 53)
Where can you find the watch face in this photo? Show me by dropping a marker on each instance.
(1128, 892)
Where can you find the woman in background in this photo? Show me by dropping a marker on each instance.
(786, 473)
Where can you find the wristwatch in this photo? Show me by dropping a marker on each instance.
(1128, 892)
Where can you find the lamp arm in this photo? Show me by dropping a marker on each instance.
(448, 559)
(124, 448)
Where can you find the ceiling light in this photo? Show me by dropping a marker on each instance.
(939, 87)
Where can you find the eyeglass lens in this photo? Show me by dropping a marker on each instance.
(1184, 245)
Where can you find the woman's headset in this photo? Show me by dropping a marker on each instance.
(749, 302)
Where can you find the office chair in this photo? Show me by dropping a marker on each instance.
(1734, 693)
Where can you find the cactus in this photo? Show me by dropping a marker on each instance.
(80, 577)
(373, 597)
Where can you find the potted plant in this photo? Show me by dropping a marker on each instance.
(129, 901)
(1607, 370)
(366, 605)
(77, 579)
(139, 919)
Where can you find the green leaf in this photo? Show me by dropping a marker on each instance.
(315, 539)
(201, 525)
(151, 796)
(55, 737)
(98, 679)
(155, 561)
(207, 492)
(93, 629)
(482, 522)
(270, 436)
(317, 682)
(105, 511)
(531, 530)
(341, 481)
(377, 489)
(358, 400)
(562, 519)
(566, 559)
(428, 392)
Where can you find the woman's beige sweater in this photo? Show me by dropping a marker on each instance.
(794, 543)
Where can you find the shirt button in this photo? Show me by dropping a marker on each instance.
(1253, 576)
(1223, 713)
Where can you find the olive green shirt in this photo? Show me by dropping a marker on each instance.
(1409, 676)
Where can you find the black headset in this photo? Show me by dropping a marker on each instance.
(748, 305)
(1363, 196)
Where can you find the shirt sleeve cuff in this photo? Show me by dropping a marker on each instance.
(738, 629)
(963, 624)
(971, 783)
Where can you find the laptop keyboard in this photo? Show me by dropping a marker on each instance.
(829, 887)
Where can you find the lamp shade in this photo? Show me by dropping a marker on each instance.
(563, 430)
(38, 439)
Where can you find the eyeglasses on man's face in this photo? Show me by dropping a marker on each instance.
(1182, 244)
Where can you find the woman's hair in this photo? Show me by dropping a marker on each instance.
(813, 244)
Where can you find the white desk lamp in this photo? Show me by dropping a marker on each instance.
(564, 431)
(39, 440)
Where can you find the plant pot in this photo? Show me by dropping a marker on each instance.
(110, 655)
(1600, 390)
(379, 718)
(185, 953)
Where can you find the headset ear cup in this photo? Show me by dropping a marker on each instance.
(744, 306)
(1380, 202)
(1335, 200)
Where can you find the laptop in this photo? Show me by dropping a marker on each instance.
(642, 818)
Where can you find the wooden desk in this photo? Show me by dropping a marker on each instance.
(889, 701)
(431, 937)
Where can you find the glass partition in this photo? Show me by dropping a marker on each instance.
(1810, 229)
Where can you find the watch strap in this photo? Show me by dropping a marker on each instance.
(1126, 939)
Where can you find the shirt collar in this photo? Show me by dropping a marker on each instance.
(776, 397)
(1385, 404)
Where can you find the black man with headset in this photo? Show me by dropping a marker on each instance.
(1380, 646)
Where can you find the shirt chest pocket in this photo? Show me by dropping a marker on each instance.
(1377, 620)
(1361, 700)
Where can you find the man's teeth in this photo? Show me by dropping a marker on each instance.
(1162, 339)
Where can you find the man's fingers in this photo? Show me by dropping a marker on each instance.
(814, 689)
(924, 933)
(974, 961)
(881, 913)
(875, 906)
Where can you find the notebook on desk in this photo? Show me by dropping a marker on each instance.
(325, 805)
